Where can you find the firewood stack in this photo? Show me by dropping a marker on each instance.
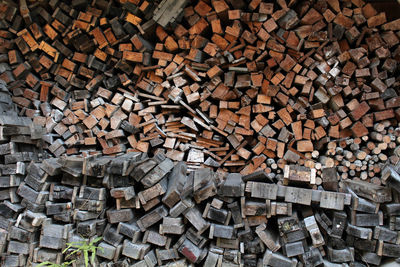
(152, 212)
(206, 133)
(224, 84)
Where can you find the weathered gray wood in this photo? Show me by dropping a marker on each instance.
(289, 20)
(203, 184)
(172, 226)
(371, 258)
(193, 215)
(91, 227)
(15, 260)
(176, 181)
(218, 215)
(93, 193)
(168, 11)
(222, 231)
(363, 205)
(294, 249)
(278, 208)
(10, 181)
(42, 255)
(156, 174)
(60, 192)
(195, 237)
(361, 219)
(150, 258)
(298, 195)
(332, 200)
(72, 165)
(258, 176)
(83, 215)
(15, 121)
(116, 216)
(236, 214)
(143, 168)
(254, 208)
(166, 255)
(341, 255)
(190, 251)
(338, 224)
(233, 186)
(124, 164)
(370, 191)
(362, 244)
(389, 250)
(129, 229)
(330, 179)
(152, 192)
(277, 260)
(95, 166)
(392, 209)
(360, 232)
(106, 251)
(312, 257)
(152, 217)
(155, 238)
(268, 237)
(180, 207)
(211, 260)
(315, 234)
(18, 247)
(391, 178)
(54, 236)
(262, 190)
(385, 234)
(298, 174)
(51, 166)
(31, 195)
(57, 208)
(89, 205)
(135, 250)
(123, 192)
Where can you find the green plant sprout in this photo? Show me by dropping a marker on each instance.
(83, 247)
(79, 248)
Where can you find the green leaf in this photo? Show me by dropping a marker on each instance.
(97, 239)
(73, 252)
(75, 244)
(86, 256)
(46, 263)
(65, 250)
(68, 263)
(93, 256)
(84, 247)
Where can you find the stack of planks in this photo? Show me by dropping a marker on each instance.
(224, 84)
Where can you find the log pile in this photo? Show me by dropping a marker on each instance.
(224, 84)
(119, 107)
(152, 212)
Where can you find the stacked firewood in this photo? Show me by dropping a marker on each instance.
(120, 106)
(152, 212)
(225, 84)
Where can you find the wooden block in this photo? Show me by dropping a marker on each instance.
(133, 56)
(305, 146)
